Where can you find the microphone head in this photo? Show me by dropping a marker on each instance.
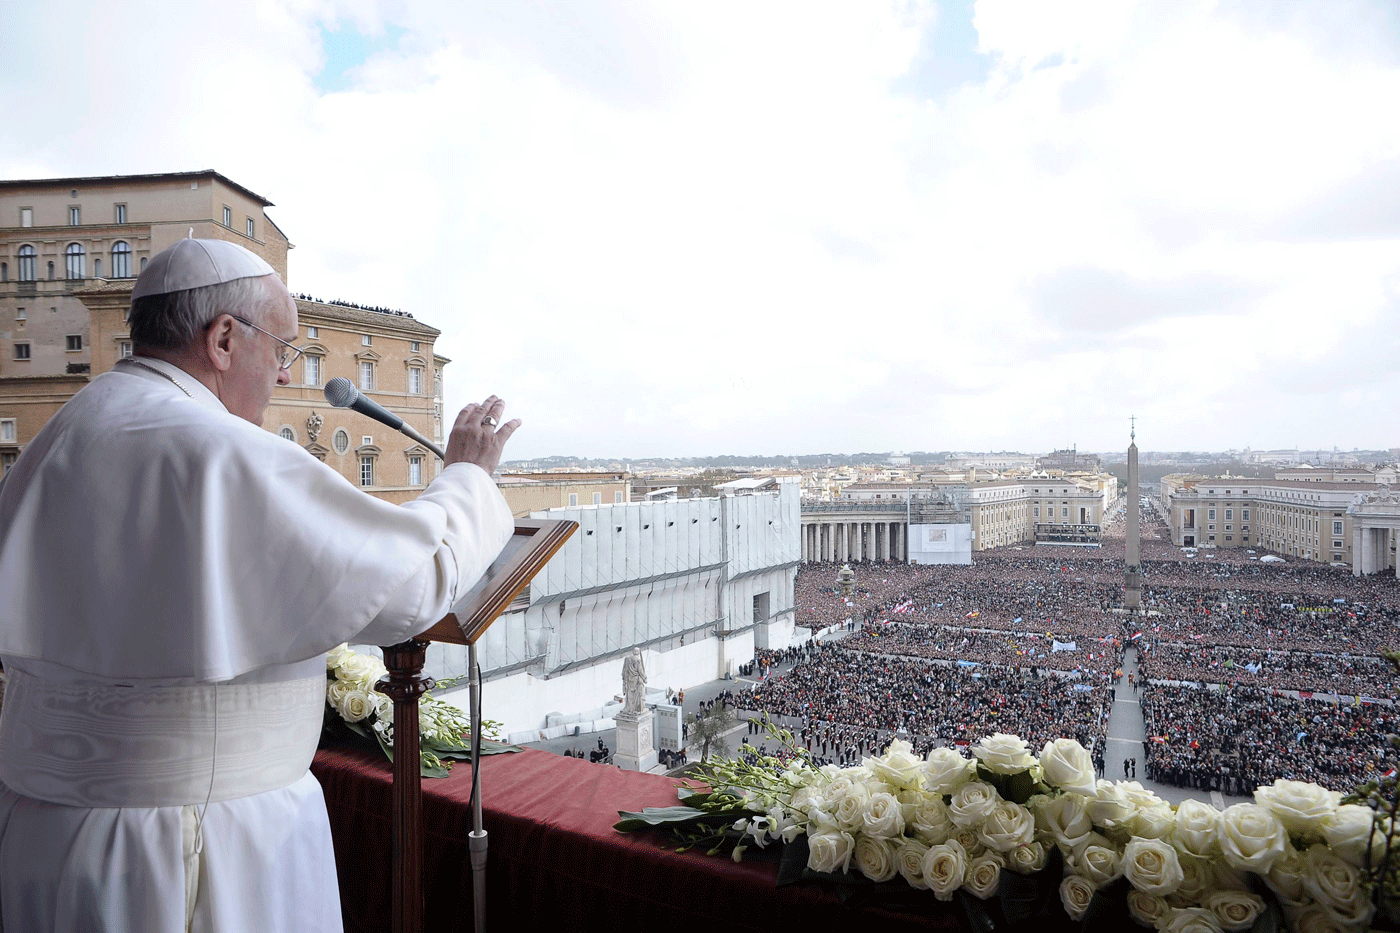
(341, 392)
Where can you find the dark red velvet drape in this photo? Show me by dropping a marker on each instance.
(556, 860)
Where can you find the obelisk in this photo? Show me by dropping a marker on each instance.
(1132, 563)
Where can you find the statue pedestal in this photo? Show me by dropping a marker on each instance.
(636, 748)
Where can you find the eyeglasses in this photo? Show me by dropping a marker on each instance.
(289, 351)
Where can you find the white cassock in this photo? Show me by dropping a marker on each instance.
(172, 577)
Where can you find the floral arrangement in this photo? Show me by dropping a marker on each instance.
(444, 730)
(1022, 839)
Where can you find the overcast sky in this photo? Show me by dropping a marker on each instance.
(700, 228)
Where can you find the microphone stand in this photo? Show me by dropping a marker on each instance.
(476, 840)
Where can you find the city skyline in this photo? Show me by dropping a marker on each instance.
(668, 229)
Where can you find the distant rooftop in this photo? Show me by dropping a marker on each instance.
(110, 179)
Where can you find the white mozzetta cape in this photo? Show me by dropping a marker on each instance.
(147, 534)
(152, 544)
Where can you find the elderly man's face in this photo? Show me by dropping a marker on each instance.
(256, 372)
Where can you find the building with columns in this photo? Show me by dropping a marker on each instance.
(871, 521)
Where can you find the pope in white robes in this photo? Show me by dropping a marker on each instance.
(173, 576)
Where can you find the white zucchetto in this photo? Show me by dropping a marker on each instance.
(193, 263)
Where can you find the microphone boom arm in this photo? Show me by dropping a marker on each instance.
(342, 393)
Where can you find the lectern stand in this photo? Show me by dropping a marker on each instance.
(532, 545)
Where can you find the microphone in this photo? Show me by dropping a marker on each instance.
(341, 393)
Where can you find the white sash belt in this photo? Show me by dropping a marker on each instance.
(98, 745)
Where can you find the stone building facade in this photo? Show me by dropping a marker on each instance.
(70, 251)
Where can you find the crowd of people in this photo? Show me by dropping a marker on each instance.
(1233, 740)
(973, 646)
(843, 703)
(1279, 669)
(948, 653)
(339, 303)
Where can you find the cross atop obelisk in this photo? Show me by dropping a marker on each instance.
(1132, 563)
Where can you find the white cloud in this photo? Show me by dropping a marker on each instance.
(694, 229)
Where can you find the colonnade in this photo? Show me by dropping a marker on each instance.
(852, 541)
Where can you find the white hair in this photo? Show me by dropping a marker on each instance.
(175, 320)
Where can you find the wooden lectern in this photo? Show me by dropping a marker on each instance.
(529, 549)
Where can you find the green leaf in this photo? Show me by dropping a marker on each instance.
(1023, 896)
(1018, 787)
(793, 862)
(1271, 920)
(1108, 911)
(463, 753)
(651, 817)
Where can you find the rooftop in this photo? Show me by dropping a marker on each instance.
(118, 179)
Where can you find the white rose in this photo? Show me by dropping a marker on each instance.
(875, 858)
(899, 766)
(884, 818)
(1076, 892)
(849, 808)
(842, 782)
(1063, 817)
(1302, 807)
(971, 842)
(1314, 918)
(1110, 806)
(1097, 859)
(1029, 858)
(945, 770)
(1140, 797)
(910, 861)
(829, 851)
(931, 822)
(1152, 865)
(1008, 825)
(360, 667)
(945, 867)
(383, 706)
(984, 875)
(1234, 910)
(1222, 876)
(355, 705)
(1190, 920)
(1196, 880)
(1197, 829)
(1336, 885)
(336, 690)
(1285, 876)
(806, 797)
(1003, 754)
(1067, 765)
(972, 803)
(1348, 833)
(1156, 822)
(1150, 910)
(336, 656)
(1251, 837)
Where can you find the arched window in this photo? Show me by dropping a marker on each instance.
(121, 260)
(26, 263)
(288, 434)
(76, 258)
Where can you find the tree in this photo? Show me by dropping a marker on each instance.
(709, 729)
